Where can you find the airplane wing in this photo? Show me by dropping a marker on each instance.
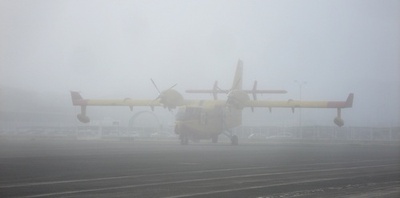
(77, 100)
(302, 104)
(339, 105)
(168, 99)
(165, 100)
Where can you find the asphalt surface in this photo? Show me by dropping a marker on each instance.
(99, 168)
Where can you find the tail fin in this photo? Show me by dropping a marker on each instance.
(237, 80)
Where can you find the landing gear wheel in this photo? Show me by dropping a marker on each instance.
(234, 140)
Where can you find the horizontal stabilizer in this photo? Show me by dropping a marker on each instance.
(225, 91)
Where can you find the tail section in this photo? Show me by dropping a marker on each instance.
(238, 79)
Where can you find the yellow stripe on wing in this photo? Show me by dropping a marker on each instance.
(288, 104)
(124, 102)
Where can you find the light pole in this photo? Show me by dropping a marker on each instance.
(300, 83)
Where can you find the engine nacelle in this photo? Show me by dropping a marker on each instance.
(237, 99)
(171, 99)
(83, 118)
(338, 121)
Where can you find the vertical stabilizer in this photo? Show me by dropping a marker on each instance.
(237, 80)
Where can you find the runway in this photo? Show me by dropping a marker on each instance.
(143, 168)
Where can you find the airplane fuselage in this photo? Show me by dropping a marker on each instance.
(195, 123)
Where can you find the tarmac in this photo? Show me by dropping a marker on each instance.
(164, 168)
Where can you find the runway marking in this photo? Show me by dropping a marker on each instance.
(174, 173)
(188, 163)
(260, 187)
(211, 179)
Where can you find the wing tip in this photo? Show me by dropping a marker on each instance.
(349, 100)
(76, 97)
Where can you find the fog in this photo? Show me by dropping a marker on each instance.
(111, 49)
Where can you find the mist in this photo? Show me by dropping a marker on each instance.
(315, 50)
(111, 49)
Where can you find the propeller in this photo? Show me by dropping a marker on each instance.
(172, 86)
(158, 90)
(169, 98)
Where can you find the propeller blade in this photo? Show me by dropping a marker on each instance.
(155, 86)
(161, 94)
(172, 86)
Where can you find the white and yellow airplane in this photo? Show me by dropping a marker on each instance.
(207, 119)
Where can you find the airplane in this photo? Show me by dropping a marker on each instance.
(207, 119)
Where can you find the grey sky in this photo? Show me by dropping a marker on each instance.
(112, 49)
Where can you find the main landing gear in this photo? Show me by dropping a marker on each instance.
(234, 138)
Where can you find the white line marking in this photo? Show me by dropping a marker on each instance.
(174, 173)
(208, 179)
(258, 187)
